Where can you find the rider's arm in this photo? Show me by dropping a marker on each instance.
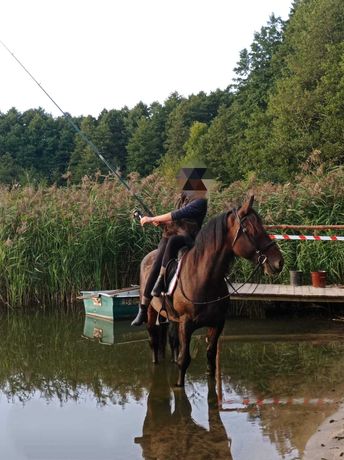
(156, 220)
(197, 209)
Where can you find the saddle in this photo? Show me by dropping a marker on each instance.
(171, 278)
(172, 272)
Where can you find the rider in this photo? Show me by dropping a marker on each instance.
(180, 229)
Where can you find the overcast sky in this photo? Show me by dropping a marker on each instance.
(91, 55)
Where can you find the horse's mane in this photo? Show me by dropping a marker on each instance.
(212, 236)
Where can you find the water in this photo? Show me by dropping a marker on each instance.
(65, 396)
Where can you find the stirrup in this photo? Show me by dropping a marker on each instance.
(158, 322)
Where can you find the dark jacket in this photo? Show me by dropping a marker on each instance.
(188, 219)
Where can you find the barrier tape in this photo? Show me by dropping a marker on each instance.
(307, 237)
(278, 401)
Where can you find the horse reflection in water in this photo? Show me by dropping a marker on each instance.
(175, 435)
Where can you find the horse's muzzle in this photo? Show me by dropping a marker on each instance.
(273, 267)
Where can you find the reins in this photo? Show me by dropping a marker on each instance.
(235, 291)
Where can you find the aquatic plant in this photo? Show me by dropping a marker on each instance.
(56, 241)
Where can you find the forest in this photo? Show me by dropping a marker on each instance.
(284, 106)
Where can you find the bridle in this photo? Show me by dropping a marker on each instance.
(262, 258)
(242, 230)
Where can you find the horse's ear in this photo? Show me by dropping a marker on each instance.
(246, 207)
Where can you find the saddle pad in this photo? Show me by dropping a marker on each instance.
(173, 275)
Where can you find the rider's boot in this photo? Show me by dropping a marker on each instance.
(159, 285)
(141, 316)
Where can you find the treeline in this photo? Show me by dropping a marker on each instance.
(286, 106)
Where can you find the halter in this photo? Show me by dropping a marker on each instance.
(262, 258)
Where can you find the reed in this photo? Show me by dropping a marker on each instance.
(316, 197)
(56, 241)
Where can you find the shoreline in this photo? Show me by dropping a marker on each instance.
(328, 442)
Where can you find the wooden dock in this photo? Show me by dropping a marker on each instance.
(287, 293)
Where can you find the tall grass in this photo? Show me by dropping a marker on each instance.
(315, 198)
(56, 241)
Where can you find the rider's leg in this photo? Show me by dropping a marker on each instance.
(147, 296)
(141, 316)
(175, 243)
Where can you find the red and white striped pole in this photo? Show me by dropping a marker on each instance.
(306, 237)
(249, 402)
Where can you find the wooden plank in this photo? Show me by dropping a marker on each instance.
(310, 291)
(253, 287)
(283, 292)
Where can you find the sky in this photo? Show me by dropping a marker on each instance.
(107, 54)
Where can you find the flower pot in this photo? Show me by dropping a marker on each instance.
(319, 279)
(296, 277)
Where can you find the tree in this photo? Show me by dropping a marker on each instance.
(9, 170)
(112, 136)
(134, 115)
(83, 160)
(193, 149)
(146, 146)
(197, 108)
(64, 149)
(143, 148)
(305, 103)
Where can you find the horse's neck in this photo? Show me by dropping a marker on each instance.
(209, 268)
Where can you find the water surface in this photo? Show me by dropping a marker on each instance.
(66, 396)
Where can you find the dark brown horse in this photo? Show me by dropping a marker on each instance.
(201, 296)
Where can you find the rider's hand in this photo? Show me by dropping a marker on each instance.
(146, 220)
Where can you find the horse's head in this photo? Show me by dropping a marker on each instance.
(249, 239)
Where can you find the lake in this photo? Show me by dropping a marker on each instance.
(67, 392)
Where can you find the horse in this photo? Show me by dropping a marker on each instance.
(201, 295)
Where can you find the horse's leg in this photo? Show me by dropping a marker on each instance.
(173, 340)
(163, 329)
(186, 329)
(153, 331)
(212, 339)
